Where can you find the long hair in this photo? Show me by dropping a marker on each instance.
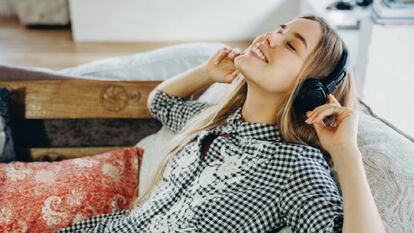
(320, 63)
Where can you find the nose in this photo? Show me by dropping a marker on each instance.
(269, 40)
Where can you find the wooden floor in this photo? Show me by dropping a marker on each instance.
(55, 49)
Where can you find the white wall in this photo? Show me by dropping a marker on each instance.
(386, 61)
(159, 20)
(6, 9)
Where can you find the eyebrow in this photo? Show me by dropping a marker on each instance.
(297, 35)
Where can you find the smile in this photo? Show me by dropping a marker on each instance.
(256, 52)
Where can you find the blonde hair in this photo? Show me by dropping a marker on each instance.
(320, 63)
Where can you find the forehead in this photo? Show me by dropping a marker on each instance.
(309, 29)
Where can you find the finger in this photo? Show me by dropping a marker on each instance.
(327, 111)
(332, 99)
(318, 109)
(343, 116)
(233, 57)
(222, 54)
(233, 54)
(346, 114)
(233, 76)
(319, 116)
(234, 51)
(320, 128)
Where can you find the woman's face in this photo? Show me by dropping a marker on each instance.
(274, 59)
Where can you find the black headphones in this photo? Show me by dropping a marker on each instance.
(314, 92)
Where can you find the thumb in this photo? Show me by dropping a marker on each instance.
(332, 99)
(232, 76)
(319, 128)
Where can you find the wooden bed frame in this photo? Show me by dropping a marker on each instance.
(77, 99)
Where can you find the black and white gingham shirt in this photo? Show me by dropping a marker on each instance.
(252, 181)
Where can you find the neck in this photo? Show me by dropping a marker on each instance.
(260, 107)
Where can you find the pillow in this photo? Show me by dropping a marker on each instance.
(155, 150)
(388, 157)
(157, 64)
(21, 73)
(47, 196)
(7, 152)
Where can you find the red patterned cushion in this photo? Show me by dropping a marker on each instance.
(47, 196)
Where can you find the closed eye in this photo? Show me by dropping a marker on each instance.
(290, 46)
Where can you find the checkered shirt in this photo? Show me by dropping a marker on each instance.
(252, 181)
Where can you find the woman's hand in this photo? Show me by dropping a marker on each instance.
(360, 211)
(220, 66)
(343, 134)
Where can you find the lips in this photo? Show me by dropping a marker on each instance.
(257, 52)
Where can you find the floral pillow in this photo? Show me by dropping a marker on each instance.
(47, 196)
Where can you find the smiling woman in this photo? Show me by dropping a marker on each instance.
(286, 49)
(251, 163)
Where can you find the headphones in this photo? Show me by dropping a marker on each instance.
(314, 92)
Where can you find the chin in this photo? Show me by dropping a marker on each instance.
(247, 60)
(247, 65)
(252, 81)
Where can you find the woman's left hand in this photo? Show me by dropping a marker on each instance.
(344, 134)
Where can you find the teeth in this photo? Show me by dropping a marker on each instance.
(259, 53)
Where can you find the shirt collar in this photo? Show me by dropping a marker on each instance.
(262, 131)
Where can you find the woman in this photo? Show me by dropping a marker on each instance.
(251, 163)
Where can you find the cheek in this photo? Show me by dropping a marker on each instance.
(277, 77)
(281, 77)
(276, 84)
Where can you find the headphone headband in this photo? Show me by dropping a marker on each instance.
(338, 74)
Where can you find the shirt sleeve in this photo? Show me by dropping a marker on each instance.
(310, 201)
(174, 112)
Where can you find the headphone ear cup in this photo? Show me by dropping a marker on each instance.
(311, 95)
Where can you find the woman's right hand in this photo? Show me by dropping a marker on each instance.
(220, 66)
